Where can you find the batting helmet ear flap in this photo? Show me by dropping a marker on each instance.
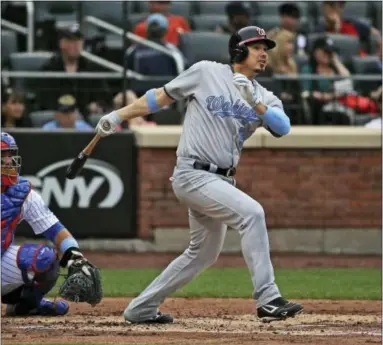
(241, 52)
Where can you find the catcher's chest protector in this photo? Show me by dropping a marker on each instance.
(11, 203)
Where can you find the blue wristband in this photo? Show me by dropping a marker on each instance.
(277, 120)
(152, 101)
(68, 243)
(51, 233)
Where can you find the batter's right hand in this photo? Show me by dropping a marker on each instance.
(246, 88)
(108, 124)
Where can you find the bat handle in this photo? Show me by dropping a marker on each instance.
(92, 144)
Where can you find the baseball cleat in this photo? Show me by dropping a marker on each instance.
(159, 318)
(278, 309)
(46, 308)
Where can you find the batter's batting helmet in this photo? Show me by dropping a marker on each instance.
(237, 44)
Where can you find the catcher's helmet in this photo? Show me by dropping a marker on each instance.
(237, 44)
(10, 163)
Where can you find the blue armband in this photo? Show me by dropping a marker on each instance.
(52, 232)
(68, 243)
(276, 120)
(152, 101)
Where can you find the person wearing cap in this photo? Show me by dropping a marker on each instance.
(149, 61)
(238, 15)
(323, 60)
(225, 105)
(67, 116)
(13, 109)
(336, 23)
(176, 24)
(90, 93)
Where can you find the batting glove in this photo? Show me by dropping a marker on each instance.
(107, 125)
(246, 88)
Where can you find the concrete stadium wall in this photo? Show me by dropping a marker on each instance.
(321, 188)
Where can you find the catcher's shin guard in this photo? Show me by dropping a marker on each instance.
(39, 267)
(45, 308)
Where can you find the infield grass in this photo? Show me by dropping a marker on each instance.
(316, 283)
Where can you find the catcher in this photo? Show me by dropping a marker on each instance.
(30, 271)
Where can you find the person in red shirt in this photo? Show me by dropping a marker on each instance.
(177, 24)
(336, 23)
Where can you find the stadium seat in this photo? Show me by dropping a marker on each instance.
(212, 7)
(197, 46)
(27, 61)
(362, 65)
(373, 45)
(356, 9)
(207, 22)
(8, 45)
(109, 11)
(266, 22)
(376, 14)
(270, 22)
(179, 8)
(346, 46)
(136, 18)
(52, 10)
(39, 118)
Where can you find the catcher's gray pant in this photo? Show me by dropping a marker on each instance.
(214, 203)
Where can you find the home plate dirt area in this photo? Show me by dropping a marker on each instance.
(205, 320)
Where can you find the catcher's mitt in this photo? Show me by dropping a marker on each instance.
(83, 282)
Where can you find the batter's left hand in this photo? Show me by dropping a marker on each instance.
(108, 124)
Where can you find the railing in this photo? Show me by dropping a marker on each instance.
(28, 31)
(118, 69)
(13, 26)
(137, 39)
(78, 75)
(31, 25)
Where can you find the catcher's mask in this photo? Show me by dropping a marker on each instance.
(10, 160)
(238, 42)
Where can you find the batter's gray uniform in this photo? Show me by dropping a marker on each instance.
(217, 122)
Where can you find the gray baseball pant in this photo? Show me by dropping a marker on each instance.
(214, 203)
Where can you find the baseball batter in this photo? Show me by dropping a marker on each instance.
(30, 271)
(225, 106)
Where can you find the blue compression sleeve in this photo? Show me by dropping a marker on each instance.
(276, 120)
(152, 101)
(52, 232)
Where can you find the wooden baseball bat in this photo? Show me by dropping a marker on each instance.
(78, 163)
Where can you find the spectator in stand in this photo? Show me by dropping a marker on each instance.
(13, 109)
(281, 61)
(323, 61)
(289, 15)
(149, 61)
(177, 24)
(67, 116)
(238, 15)
(334, 22)
(92, 94)
(130, 97)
